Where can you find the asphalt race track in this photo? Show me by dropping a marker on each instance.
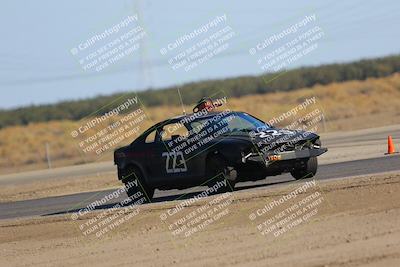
(70, 203)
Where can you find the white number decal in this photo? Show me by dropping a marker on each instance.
(177, 164)
(265, 134)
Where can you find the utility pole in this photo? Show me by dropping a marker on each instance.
(48, 155)
(324, 122)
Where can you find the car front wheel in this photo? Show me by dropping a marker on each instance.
(308, 170)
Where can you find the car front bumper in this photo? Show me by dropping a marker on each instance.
(269, 158)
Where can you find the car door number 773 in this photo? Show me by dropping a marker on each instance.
(175, 162)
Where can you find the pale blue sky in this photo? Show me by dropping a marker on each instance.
(36, 65)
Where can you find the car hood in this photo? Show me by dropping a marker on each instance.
(274, 136)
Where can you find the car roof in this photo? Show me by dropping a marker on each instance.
(180, 117)
(210, 114)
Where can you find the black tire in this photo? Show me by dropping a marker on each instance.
(129, 175)
(307, 171)
(219, 171)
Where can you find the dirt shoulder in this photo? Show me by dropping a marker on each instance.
(58, 187)
(355, 223)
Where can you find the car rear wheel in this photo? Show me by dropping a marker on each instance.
(220, 175)
(307, 171)
(129, 177)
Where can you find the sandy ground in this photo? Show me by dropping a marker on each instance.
(347, 222)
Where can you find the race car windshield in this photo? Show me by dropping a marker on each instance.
(235, 122)
(243, 122)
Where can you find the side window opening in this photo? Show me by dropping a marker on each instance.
(151, 137)
(172, 130)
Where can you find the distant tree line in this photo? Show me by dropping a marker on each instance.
(192, 92)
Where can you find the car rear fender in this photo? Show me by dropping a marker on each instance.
(123, 165)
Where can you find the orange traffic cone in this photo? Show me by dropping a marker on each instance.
(391, 149)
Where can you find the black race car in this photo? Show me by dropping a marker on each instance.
(208, 147)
